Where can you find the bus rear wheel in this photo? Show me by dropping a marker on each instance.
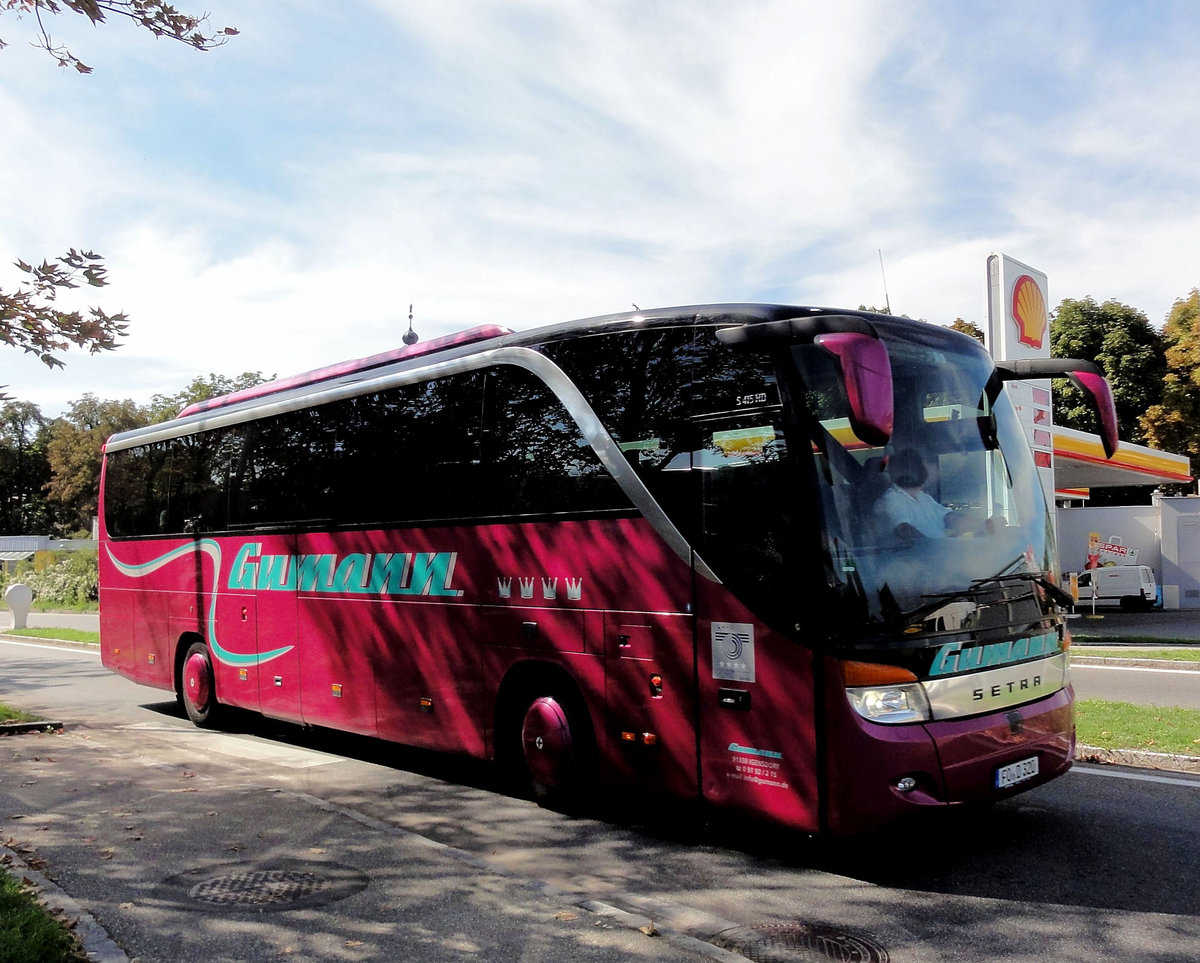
(197, 686)
(556, 754)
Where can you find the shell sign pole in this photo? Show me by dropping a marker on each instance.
(1019, 329)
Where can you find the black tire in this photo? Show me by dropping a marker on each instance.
(198, 687)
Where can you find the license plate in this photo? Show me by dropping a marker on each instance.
(1016, 772)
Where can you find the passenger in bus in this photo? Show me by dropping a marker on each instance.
(908, 511)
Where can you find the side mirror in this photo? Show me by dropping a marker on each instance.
(867, 376)
(1096, 387)
(1086, 376)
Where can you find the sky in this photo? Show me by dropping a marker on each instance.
(276, 205)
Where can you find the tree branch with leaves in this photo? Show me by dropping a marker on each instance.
(30, 318)
(161, 19)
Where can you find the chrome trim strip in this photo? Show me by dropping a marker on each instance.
(538, 364)
(1012, 685)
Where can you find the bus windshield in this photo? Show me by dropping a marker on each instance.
(951, 500)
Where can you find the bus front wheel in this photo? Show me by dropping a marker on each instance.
(197, 686)
(555, 748)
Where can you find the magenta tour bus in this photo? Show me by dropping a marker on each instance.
(792, 561)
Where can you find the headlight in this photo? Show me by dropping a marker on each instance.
(890, 704)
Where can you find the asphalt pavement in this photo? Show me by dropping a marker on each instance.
(1113, 624)
(190, 845)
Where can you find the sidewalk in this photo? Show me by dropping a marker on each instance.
(84, 621)
(194, 856)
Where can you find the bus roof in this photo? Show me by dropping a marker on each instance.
(483, 332)
(244, 404)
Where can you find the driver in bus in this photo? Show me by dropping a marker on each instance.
(908, 511)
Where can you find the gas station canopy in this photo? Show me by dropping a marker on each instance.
(1079, 464)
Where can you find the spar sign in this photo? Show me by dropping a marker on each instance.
(1101, 553)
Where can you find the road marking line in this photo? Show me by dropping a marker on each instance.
(1138, 777)
(52, 648)
(1076, 667)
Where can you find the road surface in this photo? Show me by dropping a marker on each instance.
(143, 818)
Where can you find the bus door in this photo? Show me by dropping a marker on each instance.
(755, 685)
(649, 694)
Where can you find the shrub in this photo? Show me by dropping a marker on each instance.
(61, 578)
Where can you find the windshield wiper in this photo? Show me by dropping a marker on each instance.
(1060, 595)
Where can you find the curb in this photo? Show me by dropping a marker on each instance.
(16, 728)
(95, 940)
(1137, 758)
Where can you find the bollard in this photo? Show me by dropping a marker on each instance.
(19, 598)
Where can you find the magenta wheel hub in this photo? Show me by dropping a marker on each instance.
(546, 736)
(197, 680)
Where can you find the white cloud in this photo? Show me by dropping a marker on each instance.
(277, 205)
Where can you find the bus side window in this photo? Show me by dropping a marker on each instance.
(535, 459)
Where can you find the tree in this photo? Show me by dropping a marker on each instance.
(74, 452)
(969, 328)
(24, 469)
(161, 19)
(1174, 425)
(29, 317)
(201, 388)
(1129, 351)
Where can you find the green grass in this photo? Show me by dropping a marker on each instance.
(9, 714)
(63, 635)
(28, 933)
(1082, 638)
(1121, 652)
(1122, 725)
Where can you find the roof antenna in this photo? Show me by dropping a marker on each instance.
(410, 336)
(883, 274)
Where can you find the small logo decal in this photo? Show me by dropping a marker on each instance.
(733, 651)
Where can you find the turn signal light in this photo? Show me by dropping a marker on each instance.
(871, 673)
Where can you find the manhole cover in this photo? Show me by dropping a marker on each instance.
(279, 885)
(801, 943)
(258, 889)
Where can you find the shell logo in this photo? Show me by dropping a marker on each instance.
(1029, 311)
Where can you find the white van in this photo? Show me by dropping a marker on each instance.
(1130, 586)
